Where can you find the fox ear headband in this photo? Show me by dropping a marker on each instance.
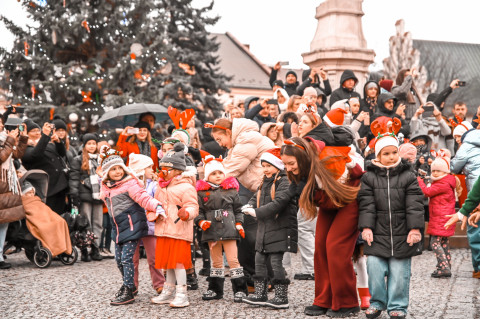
(178, 116)
(384, 125)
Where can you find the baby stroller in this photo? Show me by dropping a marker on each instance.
(19, 236)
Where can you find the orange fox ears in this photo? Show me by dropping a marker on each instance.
(176, 116)
(386, 125)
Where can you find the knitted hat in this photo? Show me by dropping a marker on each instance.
(31, 125)
(462, 128)
(291, 72)
(211, 165)
(310, 91)
(388, 139)
(182, 135)
(278, 82)
(26, 187)
(138, 163)
(386, 84)
(335, 118)
(109, 158)
(370, 85)
(175, 158)
(59, 124)
(408, 151)
(89, 137)
(142, 124)
(441, 164)
(272, 157)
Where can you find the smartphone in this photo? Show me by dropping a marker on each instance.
(428, 110)
(284, 63)
(272, 101)
(20, 128)
(133, 130)
(52, 126)
(462, 83)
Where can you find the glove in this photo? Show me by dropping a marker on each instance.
(205, 224)
(240, 229)
(245, 207)
(249, 211)
(183, 214)
(160, 212)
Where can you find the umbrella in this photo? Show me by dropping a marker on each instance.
(127, 115)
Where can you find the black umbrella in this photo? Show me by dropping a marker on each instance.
(127, 115)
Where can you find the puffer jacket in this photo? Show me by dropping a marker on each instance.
(323, 133)
(467, 158)
(79, 179)
(180, 193)
(343, 93)
(243, 160)
(222, 202)
(383, 111)
(390, 204)
(442, 203)
(277, 219)
(127, 201)
(11, 208)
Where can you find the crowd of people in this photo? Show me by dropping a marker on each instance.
(346, 177)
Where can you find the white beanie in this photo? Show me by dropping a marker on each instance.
(212, 164)
(461, 128)
(385, 141)
(441, 164)
(138, 163)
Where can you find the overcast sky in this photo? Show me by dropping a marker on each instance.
(280, 30)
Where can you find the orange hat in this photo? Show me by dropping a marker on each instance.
(335, 117)
(335, 159)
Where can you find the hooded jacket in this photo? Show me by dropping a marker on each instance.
(243, 159)
(390, 204)
(364, 105)
(323, 133)
(253, 114)
(220, 206)
(307, 81)
(383, 111)
(277, 219)
(343, 93)
(442, 203)
(467, 158)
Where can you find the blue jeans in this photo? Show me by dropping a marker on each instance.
(473, 235)
(392, 294)
(124, 257)
(3, 235)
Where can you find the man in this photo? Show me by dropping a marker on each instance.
(348, 81)
(310, 78)
(260, 113)
(460, 111)
(291, 82)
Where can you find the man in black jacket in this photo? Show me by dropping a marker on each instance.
(260, 113)
(348, 81)
(291, 82)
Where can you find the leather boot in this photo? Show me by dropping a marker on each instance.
(95, 253)
(124, 298)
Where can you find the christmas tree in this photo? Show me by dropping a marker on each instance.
(97, 54)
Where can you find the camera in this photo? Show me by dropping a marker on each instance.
(462, 83)
(133, 130)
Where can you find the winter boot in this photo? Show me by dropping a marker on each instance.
(119, 292)
(181, 298)
(260, 296)
(239, 284)
(364, 298)
(95, 253)
(124, 298)
(280, 301)
(85, 256)
(205, 271)
(192, 282)
(215, 284)
(166, 296)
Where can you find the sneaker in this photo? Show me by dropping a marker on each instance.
(373, 313)
(304, 277)
(181, 298)
(166, 296)
(314, 310)
(441, 274)
(4, 265)
(342, 312)
(397, 315)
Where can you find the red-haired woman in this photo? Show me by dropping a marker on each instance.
(327, 189)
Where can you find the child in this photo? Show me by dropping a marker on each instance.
(142, 167)
(177, 193)
(276, 214)
(442, 203)
(391, 216)
(126, 201)
(220, 217)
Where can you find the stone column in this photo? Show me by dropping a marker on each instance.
(339, 43)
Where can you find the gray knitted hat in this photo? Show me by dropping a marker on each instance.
(175, 158)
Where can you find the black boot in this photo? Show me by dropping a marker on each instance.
(280, 301)
(239, 286)
(343, 312)
(119, 293)
(260, 296)
(85, 255)
(192, 282)
(215, 288)
(95, 253)
(124, 298)
(205, 271)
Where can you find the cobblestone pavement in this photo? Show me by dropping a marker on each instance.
(84, 290)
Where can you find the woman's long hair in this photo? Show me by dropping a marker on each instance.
(401, 76)
(85, 159)
(133, 139)
(310, 166)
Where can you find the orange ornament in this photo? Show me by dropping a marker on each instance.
(34, 91)
(26, 47)
(85, 25)
(133, 56)
(138, 74)
(87, 96)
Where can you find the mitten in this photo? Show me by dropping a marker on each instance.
(249, 211)
(205, 224)
(240, 229)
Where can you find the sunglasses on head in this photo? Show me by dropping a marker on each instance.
(292, 143)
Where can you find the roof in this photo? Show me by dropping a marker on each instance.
(236, 60)
(446, 61)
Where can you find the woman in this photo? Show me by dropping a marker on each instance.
(371, 90)
(85, 191)
(269, 130)
(245, 147)
(327, 190)
(406, 92)
(139, 143)
(312, 125)
(61, 130)
(11, 146)
(294, 103)
(45, 151)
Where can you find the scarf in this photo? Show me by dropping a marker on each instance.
(144, 148)
(438, 178)
(214, 186)
(93, 164)
(9, 175)
(163, 183)
(371, 104)
(377, 163)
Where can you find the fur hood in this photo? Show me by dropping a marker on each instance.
(228, 183)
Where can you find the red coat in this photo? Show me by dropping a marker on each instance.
(442, 203)
(127, 148)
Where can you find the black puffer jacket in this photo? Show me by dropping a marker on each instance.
(391, 204)
(277, 219)
(223, 202)
(80, 186)
(323, 133)
(342, 93)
